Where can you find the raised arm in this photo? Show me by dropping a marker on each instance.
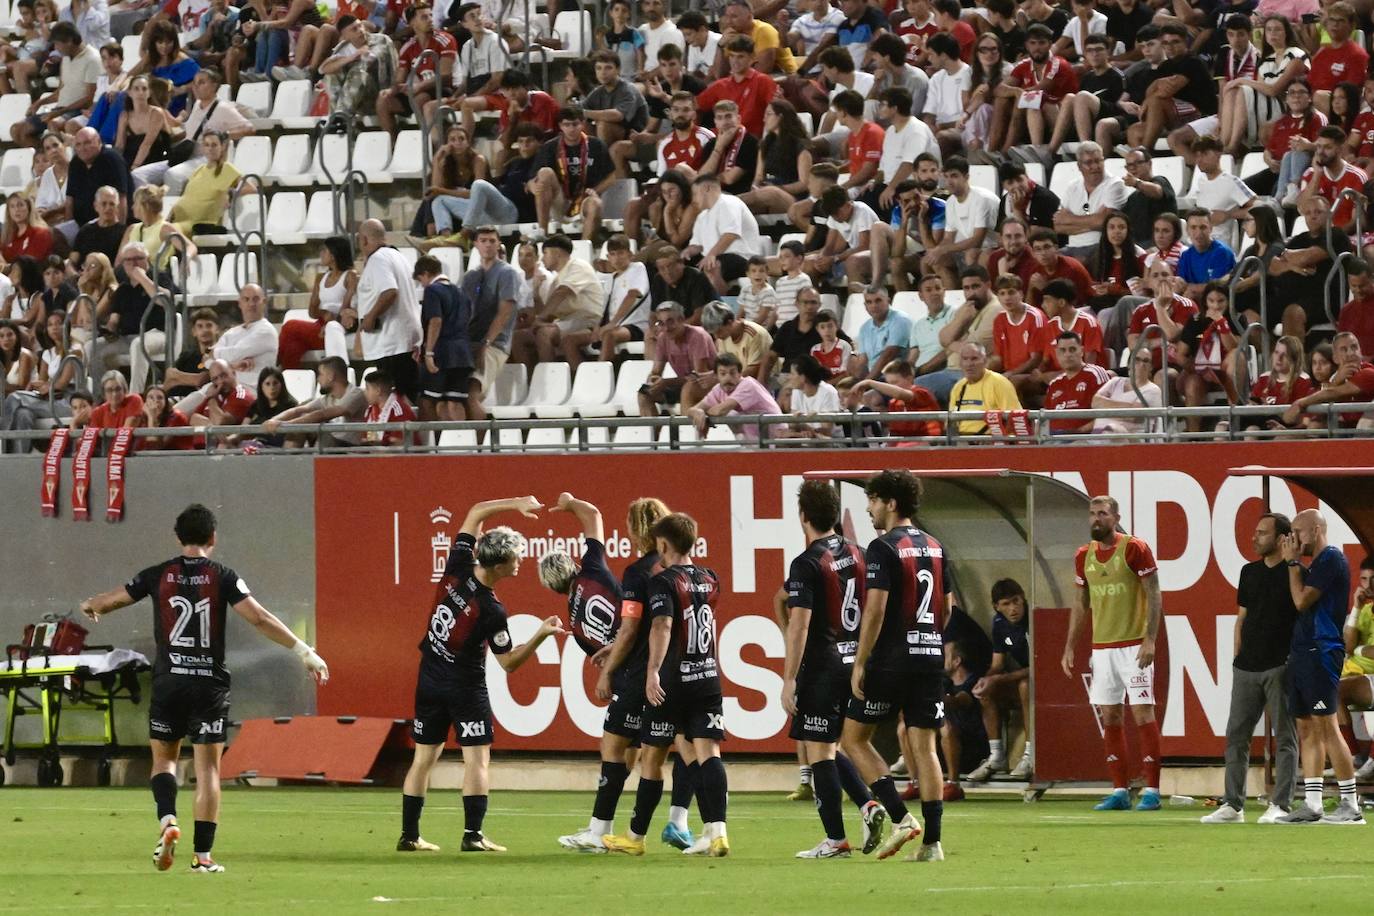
(586, 514)
(527, 506)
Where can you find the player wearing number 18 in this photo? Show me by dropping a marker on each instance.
(190, 680)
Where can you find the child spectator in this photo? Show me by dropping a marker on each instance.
(385, 405)
(902, 394)
(757, 300)
(832, 352)
(792, 281)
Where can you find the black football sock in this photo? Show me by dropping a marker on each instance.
(826, 781)
(885, 790)
(647, 797)
(411, 806)
(164, 786)
(850, 780)
(474, 812)
(684, 783)
(205, 837)
(932, 812)
(613, 776)
(714, 790)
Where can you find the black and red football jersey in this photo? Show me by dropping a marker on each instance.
(190, 595)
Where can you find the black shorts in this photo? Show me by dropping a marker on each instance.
(1314, 677)
(693, 710)
(464, 707)
(732, 266)
(821, 701)
(625, 714)
(918, 695)
(446, 384)
(188, 706)
(636, 332)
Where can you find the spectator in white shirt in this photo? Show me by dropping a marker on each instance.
(250, 347)
(725, 234)
(1120, 393)
(703, 45)
(905, 139)
(812, 394)
(951, 79)
(1086, 21)
(1220, 192)
(808, 31)
(1087, 199)
(657, 31)
(629, 306)
(848, 245)
(970, 224)
(388, 309)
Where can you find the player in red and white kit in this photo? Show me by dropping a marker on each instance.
(899, 662)
(451, 689)
(190, 593)
(1075, 387)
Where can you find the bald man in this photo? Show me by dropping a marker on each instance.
(95, 165)
(249, 347)
(388, 309)
(222, 401)
(1320, 592)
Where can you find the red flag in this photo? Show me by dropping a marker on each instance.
(114, 504)
(1020, 423)
(52, 471)
(81, 474)
(993, 418)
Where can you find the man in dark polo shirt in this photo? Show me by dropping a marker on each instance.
(101, 235)
(674, 281)
(94, 166)
(1264, 634)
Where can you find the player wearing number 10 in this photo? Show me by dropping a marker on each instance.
(190, 680)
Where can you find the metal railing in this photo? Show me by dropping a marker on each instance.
(57, 374)
(426, 144)
(180, 244)
(341, 193)
(1358, 203)
(1337, 272)
(598, 434)
(92, 346)
(241, 276)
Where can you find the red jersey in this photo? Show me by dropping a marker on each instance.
(102, 417)
(833, 360)
(1364, 126)
(1362, 379)
(1331, 186)
(673, 151)
(395, 409)
(1143, 316)
(924, 401)
(1067, 268)
(1084, 325)
(1357, 317)
(1074, 392)
(236, 403)
(752, 95)
(1332, 65)
(1268, 389)
(441, 43)
(1023, 266)
(1288, 127)
(1017, 341)
(541, 110)
(1060, 73)
(915, 36)
(175, 420)
(864, 145)
(35, 241)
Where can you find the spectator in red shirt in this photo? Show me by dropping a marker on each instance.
(1016, 342)
(525, 106)
(949, 18)
(1168, 308)
(158, 413)
(1330, 176)
(1357, 315)
(220, 402)
(1360, 143)
(1353, 382)
(385, 405)
(743, 85)
(25, 233)
(1040, 82)
(899, 393)
(1051, 266)
(1075, 388)
(864, 146)
(1014, 256)
(398, 99)
(120, 408)
(1283, 384)
(1287, 159)
(1062, 315)
(1340, 61)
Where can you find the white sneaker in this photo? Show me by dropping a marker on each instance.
(927, 852)
(1366, 769)
(1272, 815)
(985, 770)
(1344, 813)
(537, 234)
(1225, 815)
(898, 768)
(1023, 769)
(701, 847)
(826, 849)
(583, 841)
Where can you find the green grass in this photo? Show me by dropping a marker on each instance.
(329, 850)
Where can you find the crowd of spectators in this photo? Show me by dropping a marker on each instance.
(860, 126)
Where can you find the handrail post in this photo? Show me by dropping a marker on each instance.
(1337, 271)
(241, 265)
(177, 243)
(337, 122)
(420, 113)
(92, 346)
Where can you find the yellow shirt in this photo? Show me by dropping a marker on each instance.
(150, 234)
(1115, 593)
(203, 199)
(1361, 620)
(752, 346)
(992, 392)
(766, 38)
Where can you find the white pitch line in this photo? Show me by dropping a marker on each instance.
(1154, 883)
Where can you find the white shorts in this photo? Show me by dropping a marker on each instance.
(1118, 679)
(1209, 126)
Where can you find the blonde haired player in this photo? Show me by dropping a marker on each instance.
(1118, 584)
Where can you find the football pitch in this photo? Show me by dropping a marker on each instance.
(332, 850)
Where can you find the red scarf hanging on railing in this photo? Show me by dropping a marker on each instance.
(565, 174)
(81, 474)
(52, 470)
(114, 475)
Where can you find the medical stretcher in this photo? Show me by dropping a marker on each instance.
(36, 683)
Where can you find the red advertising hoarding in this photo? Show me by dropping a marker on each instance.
(384, 525)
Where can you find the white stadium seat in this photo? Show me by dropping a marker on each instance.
(319, 216)
(290, 158)
(633, 435)
(452, 260)
(854, 315)
(592, 388)
(458, 439)
(909, 304)
(1064, 174)
(13, 108)
(546, 438)
(227, 286)
(511, 385)
(985, 177)
(285, 218)
(253, 155)
(372, 155)
(256, 97)
(1170, 167)
(301, 384)
(575, 30)
(406, 155)
(133, 50)
(16, 168)
(550, 385)
(292, 104)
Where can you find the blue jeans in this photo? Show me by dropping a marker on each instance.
(272, 46)
(1291, 167)
(484, 205)
(940, 383)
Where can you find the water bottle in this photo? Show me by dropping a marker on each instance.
(1181, 801)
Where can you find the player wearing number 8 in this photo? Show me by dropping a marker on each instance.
(190, 593)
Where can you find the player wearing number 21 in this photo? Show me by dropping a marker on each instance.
(190, 679)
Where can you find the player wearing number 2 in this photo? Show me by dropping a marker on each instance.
(190, 680)
(899, 663)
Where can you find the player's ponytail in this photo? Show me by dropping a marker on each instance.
(644, 513)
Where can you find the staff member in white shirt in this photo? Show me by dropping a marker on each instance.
(389, 309)
(724, 235)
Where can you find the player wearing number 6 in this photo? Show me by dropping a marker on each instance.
(190, 680)
(899, 666)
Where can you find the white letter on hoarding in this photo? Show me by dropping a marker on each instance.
(539, 715)
(1186, 661)
(1155, 487)
(1234, 493)
(752, 629)
(748, 534)
(586, 715)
